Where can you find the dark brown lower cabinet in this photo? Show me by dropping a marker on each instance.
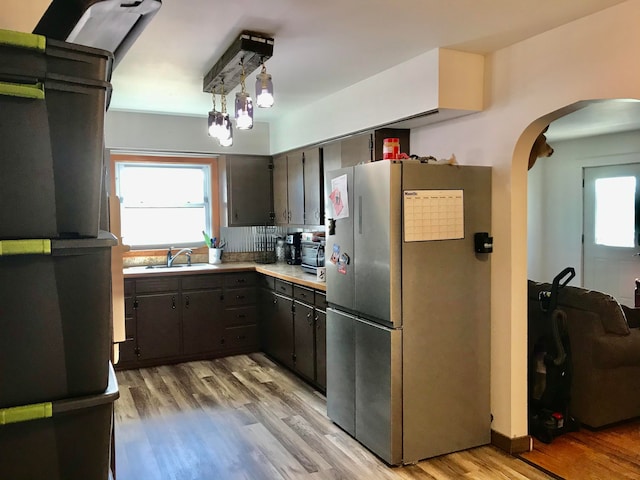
(304, 340)
(280, 330)
(179, 318)
(158, 325)
(202, 328)
(293, 328)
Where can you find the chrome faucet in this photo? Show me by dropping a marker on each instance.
(171, 258)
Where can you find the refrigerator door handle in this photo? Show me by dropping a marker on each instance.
(360, 214)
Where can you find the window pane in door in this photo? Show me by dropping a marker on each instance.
(615, 211)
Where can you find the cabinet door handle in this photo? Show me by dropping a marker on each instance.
(186, 301)
(239, 297)
(284, 214)
(173, 302)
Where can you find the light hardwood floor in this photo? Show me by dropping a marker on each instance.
(244, 417)
(609, 453)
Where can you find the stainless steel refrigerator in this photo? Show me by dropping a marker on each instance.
(409, 301)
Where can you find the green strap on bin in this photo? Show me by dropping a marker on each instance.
(20, 90)
(23, 40)
(25, 247)
(25, 413)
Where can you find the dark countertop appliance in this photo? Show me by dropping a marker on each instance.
(292, 251)
(312, 256)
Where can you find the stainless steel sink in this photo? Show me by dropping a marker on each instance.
(167, 266)
(164, 268)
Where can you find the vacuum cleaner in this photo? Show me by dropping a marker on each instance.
(550, 368)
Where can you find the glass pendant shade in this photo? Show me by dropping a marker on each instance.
(264, 89)
(225, 131)
(212, 124)
(216, 124)
(226, 140)
(244, 111)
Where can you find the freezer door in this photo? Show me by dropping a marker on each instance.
(341, 344)
(379, 390)
(377, 237)
(339, 252)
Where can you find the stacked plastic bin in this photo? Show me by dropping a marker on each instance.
(57, 386)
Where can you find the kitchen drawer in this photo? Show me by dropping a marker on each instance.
(240, 296)
(129, 287)
(196, 282)
(241, 337)
(157, 284)
(284, 288)
(239, 279)
(266, 281)
(321, 300)
(128, 307)
(240, 316)
(303, 294)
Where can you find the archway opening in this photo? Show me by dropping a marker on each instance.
(586, 135)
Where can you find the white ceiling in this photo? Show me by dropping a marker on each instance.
(321, 46)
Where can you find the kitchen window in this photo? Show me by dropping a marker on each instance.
(163, 204)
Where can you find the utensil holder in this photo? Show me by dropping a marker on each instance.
(215, 255)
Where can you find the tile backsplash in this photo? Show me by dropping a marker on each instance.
(243, 244)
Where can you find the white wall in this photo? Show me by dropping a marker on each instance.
(555, 200)
(180, 134)
(531, 81)
(440, 79)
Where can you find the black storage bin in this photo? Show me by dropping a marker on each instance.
(111, 25)
(26, 57)
(27, 190)
(54, 318)
(52, 153)
(62, 440)
(76, 121)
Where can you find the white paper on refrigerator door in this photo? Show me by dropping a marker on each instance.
(433, 215)
(339, 197)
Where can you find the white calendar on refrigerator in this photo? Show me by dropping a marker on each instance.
(433, 215)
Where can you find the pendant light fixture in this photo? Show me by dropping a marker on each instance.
(242, 57)
(264, 89)
(244, 105)
(226, 129)
(213, 129)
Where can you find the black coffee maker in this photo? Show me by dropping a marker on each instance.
(292, 252)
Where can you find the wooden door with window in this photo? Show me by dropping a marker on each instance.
(611, 254)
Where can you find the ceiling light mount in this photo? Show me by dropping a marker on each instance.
(249, 51)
